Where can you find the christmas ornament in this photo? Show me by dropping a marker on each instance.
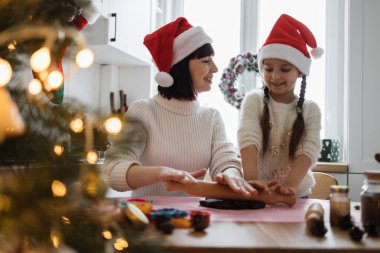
(83, 12)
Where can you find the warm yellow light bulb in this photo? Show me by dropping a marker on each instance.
(40, 60)
(58, 150)
(58, 188)
(55, 238)
(55, 79)
(107, 234)
(92, 157)
(35, 87)
(113, 125)
(84, 58)
(120, 244)
(5, 72)
(12, 46)
(65, 220)
(76, 125)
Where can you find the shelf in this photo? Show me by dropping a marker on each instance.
(331, 167)
(107, 54)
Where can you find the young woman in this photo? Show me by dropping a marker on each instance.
(182, 139)
(279, 131)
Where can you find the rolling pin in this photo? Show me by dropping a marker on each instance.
(220, 191)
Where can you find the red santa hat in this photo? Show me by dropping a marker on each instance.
(172, 43)
(288, 41)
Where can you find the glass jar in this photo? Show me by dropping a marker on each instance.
(370, 201)
(339, 204)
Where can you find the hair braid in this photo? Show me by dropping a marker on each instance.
(265, 128)
(299, 124)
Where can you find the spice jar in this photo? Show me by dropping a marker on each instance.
(339, 204)
(314, 220)
(370, 201)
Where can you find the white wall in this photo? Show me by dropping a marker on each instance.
(82, 84)
(363, 90)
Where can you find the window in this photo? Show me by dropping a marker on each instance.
(223, 26)
(241, 26)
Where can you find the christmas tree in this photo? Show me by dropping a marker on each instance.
(51, 189)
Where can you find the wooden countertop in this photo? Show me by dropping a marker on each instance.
(274, 229)
(266, 237)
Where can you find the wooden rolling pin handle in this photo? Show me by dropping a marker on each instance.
(220, 191)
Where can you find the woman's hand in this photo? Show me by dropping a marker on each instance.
(180, 176)
(281, 189)
(236, 182)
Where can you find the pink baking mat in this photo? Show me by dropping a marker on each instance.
(271, 213)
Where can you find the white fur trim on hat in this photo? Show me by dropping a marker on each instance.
(164, 79)
(187, 42)
(90, 12)
(287, 53)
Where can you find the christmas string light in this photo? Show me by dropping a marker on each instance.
(34, 87)
(40, 60)
(113, 125)
(5, 72)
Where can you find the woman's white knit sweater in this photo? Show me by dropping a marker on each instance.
(275, 164)
(179, 134)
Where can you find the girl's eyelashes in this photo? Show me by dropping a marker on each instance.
(269, 69)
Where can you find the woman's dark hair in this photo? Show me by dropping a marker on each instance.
(183, 88)
(298, 129)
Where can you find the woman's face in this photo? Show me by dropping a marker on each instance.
(280, 77)
(201, 71)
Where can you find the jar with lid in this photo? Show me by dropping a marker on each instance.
(370, 201)
(339, 204)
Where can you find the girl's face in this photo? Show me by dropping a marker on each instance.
(280, 77)
(201, 71)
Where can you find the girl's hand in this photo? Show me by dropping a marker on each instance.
(280, 189)
(234, 180)
(183, 177)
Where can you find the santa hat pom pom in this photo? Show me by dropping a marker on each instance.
(164, 79)
(317, 52)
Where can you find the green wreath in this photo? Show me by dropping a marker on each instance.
(236, 66)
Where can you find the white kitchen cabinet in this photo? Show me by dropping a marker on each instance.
(116, 39)
(117, 36)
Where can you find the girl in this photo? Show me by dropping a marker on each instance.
(182, 138)
(279, 131)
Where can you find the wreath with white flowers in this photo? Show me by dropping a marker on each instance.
(236, 66)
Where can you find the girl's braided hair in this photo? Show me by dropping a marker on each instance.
(298, 129)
